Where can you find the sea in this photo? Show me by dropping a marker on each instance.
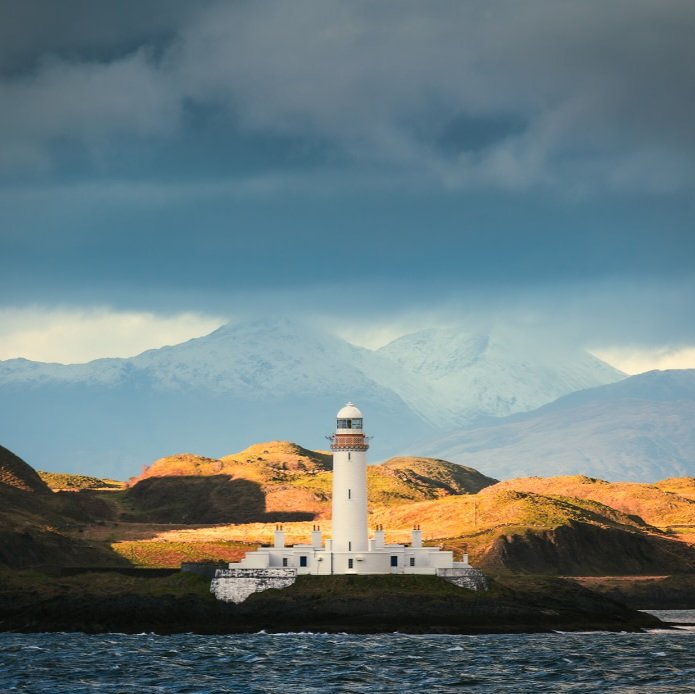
(73, 663)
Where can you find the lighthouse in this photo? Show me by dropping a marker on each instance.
(349, 550)
(349, 445)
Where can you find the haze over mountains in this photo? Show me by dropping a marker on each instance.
(639, 429)
(274, 380)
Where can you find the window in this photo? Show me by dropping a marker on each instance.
(349, 493)
(394, 560)
(351, 563)
(412, 561)
(356, 423)
(302, 561)
(350, 546)
(284, 561)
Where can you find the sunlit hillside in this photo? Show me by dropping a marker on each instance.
(661, 504)
(280, 480)
(193, 508)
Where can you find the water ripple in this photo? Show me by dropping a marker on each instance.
(328, 663)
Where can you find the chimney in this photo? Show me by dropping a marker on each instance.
(416, 538)
(378, 540)
(279, 537)
(316, 540)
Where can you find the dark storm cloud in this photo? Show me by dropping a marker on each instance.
(491, 159)
(588, 271)
(85, 30)
(505, 94)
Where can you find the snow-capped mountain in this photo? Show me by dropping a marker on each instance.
(640, 429)
(269, 380)
(493, 374)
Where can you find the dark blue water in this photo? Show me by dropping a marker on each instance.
(186, 663)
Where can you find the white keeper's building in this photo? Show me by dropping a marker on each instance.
(350, 550)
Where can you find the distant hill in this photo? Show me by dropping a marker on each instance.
(58, 481)
(255, 380)
(427, 478)
(279, 480)
(638, 429)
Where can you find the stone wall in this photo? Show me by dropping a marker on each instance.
(470, 578)
(235, 585)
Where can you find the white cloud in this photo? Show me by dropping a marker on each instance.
(635, 361)
(72, 336)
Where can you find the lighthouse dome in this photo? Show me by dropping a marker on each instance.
(350, 411)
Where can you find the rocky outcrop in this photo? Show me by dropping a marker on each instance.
(235, 585)
(469, 578)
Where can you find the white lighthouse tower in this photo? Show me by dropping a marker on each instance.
(349, 446)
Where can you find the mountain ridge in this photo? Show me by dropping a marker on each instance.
(253, 381)
(638, 428)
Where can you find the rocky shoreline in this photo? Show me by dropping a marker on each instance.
(98, 603)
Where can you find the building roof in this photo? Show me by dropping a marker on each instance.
(350, 411)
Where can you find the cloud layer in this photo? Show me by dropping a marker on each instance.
(503, 95)
(379, 166)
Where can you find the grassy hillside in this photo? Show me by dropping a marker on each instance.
(503, 528)
(279, 481)
(189, 507)
(503, 509)
(683, 486)
(656, 504)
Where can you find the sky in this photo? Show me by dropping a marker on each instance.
(374, 167)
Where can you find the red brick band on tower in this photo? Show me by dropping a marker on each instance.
(349, 442)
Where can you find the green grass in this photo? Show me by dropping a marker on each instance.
(40, 586)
